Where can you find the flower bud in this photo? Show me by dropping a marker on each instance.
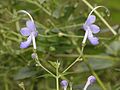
(90, 81)
(64, 84)
(34, 56)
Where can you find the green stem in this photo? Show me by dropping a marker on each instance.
(70, 86)
(88, 56)
(78, 59)
(6, 84)
(16, 23)
(37, 61)
(40, 6)
(77, 36)
(97, 13)
(57, 77)
(57, 83)
(71, 26)
(23, 88)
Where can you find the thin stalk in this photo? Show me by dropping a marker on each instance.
(86, 86)
(72, 64)
(34, 42)
(39, 64)
(103, 20)
(71, 26)
(23, 88)
(6, 84)
(85, 37)
(57, 77)
(78, 59)
(65, 88)
(23, 11)
(88, 56)
(70, 86)
(16, 23)
(57, 83)
(40, 6)
(48, 36)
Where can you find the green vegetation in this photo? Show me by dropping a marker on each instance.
(59, 24)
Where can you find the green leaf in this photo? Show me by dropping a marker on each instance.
(114, 48)
(96, 64)
(25, 72)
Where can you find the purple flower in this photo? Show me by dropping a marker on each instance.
(30, 31)
(91, 29)
(90, 81)
(64, 84)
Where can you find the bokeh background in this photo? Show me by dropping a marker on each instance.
(53, 17)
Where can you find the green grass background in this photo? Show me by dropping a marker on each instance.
(53, 17)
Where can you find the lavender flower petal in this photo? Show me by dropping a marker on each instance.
(25, 44)
(92, 29)
(93, 40)
(86, 27)
(90, 34)
(91, 19)
(25, 31)
(95, 29)
(30, 25)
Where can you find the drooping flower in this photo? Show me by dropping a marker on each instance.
(90, 81)
(64, 84)
(30, 31)
(90, 29)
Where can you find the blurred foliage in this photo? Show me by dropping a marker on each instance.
(59, 23)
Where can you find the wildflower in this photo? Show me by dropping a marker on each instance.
(64, 84)
(90, 81)
(30, 31)
(91, 29)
